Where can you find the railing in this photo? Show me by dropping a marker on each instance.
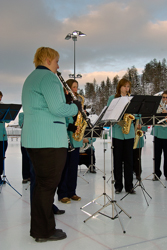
(13, 133)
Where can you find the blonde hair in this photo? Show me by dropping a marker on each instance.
(43, 53)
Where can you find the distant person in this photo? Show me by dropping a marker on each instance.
(87, 157)
(44, 135)
(137, 166)
(25, 158)
(3, 145)
(160, 141)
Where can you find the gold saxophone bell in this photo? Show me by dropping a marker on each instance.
(138, 134)
(80, 123)
(127, 118)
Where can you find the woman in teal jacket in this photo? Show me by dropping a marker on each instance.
(44, 135)
(122, 146)
(160, 142)
(68, 184)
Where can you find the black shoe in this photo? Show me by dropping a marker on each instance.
(56, 236)
(132, 191)
(118, 191)
(93, 171)
(59, 212)
(155, 178)
(24, 181)
(58, 230)
(2, 182)
(138, 177)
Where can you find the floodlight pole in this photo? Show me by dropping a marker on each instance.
(74, 38)
(74, 35)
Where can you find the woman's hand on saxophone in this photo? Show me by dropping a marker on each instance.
(139, 126)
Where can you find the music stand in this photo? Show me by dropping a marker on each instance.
(8, 112)
(112, 115)
(154, 120)
(94, 132)
(143, 105)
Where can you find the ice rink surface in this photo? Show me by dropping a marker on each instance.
(146, 229)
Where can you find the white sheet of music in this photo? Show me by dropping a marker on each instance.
(116, 108)
(98, 118)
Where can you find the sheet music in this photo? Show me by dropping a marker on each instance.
(116, 108)
(100, 116)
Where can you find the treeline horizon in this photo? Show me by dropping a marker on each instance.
(152, 80)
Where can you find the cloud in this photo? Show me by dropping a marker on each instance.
(120, 34)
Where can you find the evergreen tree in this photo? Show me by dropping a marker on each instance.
(114, 84)
(133, 76)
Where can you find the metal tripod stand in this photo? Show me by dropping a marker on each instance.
(139, 182)
(111, 201)
(91, 166)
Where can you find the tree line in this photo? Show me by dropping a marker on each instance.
(152, 80)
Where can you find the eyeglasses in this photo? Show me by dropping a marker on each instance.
(164, 97)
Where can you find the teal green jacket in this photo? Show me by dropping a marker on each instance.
(44, 106)
(21, 120)
(3, 132)
(75, 144)
(159, 132)
(117, 130)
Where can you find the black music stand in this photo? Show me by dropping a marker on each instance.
(8, 112)
(111, 117)
(143, 105)
(94, 132)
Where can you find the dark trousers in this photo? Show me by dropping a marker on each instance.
(32, 185)
(48, 165)
(86, 157)
(137, 161)
(123, 152)
(25, 164)
(160, 145)
(68, 183)
(2, 155)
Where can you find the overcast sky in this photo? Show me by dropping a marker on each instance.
(120, 34)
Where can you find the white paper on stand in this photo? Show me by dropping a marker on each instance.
(116, 107)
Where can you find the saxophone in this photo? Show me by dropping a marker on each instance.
(138, 134)
(161, 107)
(80, 123)
(127, 118)
(74, 98)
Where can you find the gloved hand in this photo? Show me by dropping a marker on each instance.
(121, 123)
(68, 98)
(72, 127)
(78, 103)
